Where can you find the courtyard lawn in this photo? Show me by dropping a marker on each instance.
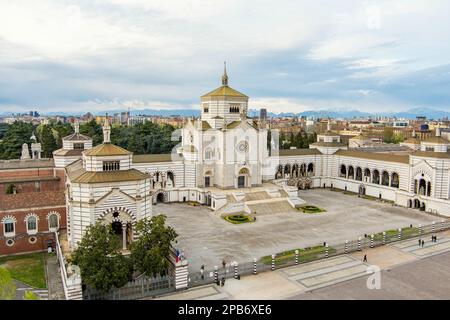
(311, 209)
(28, 268)
(393, 234)
(238, 218)
(305, 255)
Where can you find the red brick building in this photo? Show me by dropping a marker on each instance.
(32, 205)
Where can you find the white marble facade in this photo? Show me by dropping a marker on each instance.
(224, 149)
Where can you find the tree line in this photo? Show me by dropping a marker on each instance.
(299, 140)
(144, 138)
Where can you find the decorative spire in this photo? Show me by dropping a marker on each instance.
(106, 131)
(225, 76)
(329, 125)
(76, 126)
(438, 131)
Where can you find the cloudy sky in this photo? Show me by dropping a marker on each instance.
(92, 55)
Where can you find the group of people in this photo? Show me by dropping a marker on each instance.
(433, 239)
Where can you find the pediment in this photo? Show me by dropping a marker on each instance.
(423, 167)
(114, 195)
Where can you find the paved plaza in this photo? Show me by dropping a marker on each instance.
(408, 271)
(208, 239)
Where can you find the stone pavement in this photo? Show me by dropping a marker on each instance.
(54, 281)
(324, 278)
(207, 239)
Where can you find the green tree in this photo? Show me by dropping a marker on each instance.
(10, 188)
(48, 142)
(61, 130)
(388, 135)
(99, 257)
(94, 130)
(30, 295)
(7, 286)
(149, 253)
(17, 134)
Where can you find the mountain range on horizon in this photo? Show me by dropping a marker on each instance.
(412, 113)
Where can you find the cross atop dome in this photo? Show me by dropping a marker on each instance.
(225, 76)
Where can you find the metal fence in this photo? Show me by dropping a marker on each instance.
(323, 251)
(139, 288)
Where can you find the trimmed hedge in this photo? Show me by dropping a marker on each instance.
(238, 218)
(311, 209)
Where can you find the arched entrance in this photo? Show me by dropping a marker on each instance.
(160, 197)
(362, 190)
(122, 224)
(208, 175)
(422, 206)
(243, 178)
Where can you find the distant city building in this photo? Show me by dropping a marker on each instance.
(263, 115)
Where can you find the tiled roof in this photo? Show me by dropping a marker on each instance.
(328, 144)
(205, 125)
(374, 156)
(328, 134)
(68, 153)
(106, 149)
(436, 140)
(110, 176)
(24, 164)
(147, 158)
(412, 140)
(32, 200)
(76, 137)
(225, 91)
(298, 152)
(29, 179)
(431, 154)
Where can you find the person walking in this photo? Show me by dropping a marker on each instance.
(420, 242)
(224, 264)
(423, 243)
(365, 258)
(202, 272)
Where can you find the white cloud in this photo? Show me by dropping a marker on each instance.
(169, 52)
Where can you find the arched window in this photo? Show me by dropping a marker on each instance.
(358, 174)
(310, 169)
(367, 175)
(32, 224)
(303, 170)
(422, 187)
(343, 171)
(53, 222)
(351, 173)
(208, 154)
(171, 177)
(287, 170)
(295, 170)
(279, 173)
(9, 227)
(395, 180)
(385, 178)
(376, 177)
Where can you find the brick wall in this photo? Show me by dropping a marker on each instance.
(21, 238)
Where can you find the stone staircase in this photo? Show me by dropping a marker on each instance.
(262, 202)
